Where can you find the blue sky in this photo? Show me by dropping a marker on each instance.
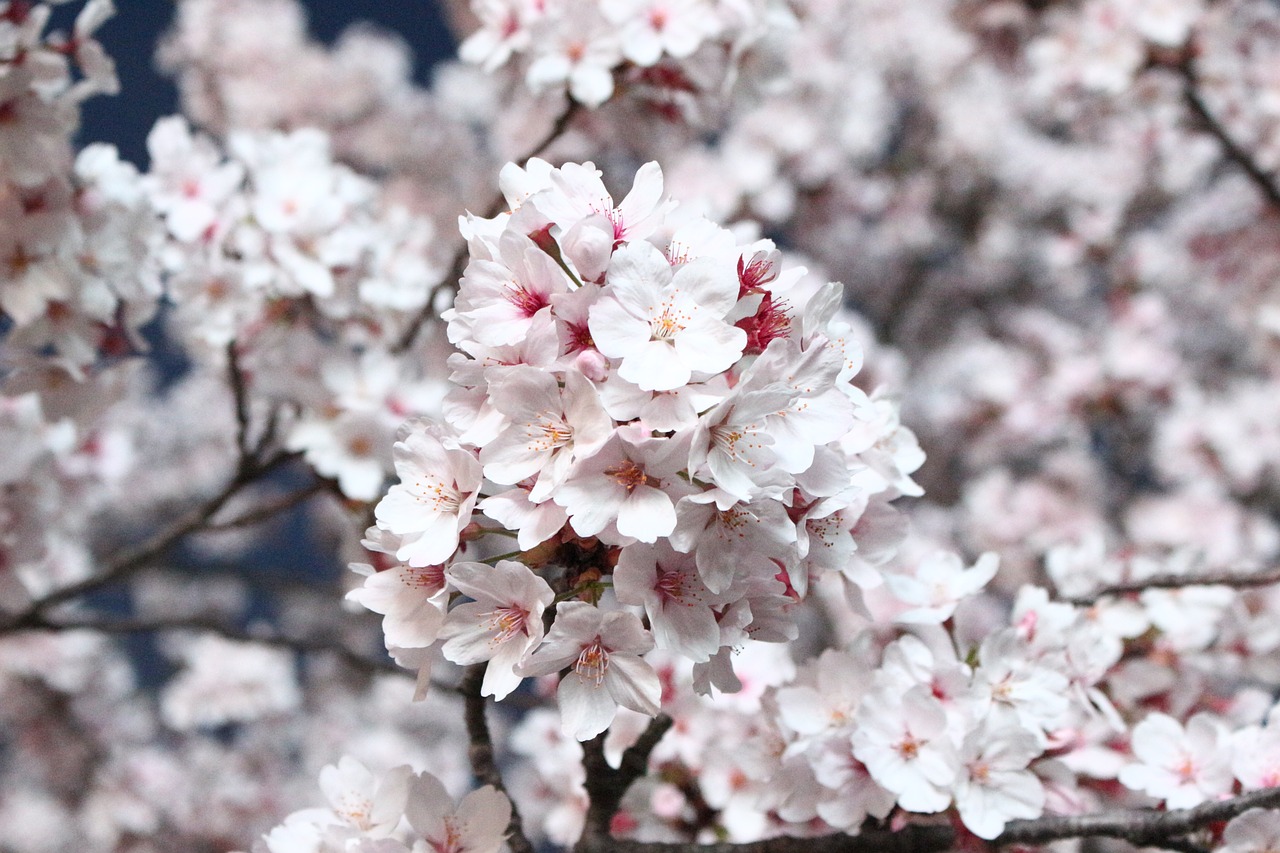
(132, 35)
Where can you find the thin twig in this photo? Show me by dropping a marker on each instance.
(235, 378)
(484, 765)
(459, 262)
(133, 559)
(1236, 580)
(268, 511)
(1234, 151)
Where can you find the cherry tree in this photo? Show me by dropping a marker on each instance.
(748, 426)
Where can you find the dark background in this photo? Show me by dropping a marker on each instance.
(131, 37)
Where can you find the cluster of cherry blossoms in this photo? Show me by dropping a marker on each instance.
(634, 441)
(583, 48)
(295, 261)
(76, 252)
(642, 405)
(399, 812)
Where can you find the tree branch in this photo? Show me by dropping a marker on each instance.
(235, 378)
(1232, 149)
(930, 838)
(607, 786)
(1141, 827)
(270, 510)
(458, 265)
(484, 766)
(133, 559)
(1172, 581)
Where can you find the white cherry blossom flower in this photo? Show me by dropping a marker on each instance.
(1183, 767)
(498, 299)
(501, 625)
(666, 328)
(940, 583)
(410, 600)
(602, 650)
(477, 825)
(578, 193)
(902, 739)
(370, 805)
(550, 428)
(994, 785)
(678, 604)
(628, 484)
(434, 499)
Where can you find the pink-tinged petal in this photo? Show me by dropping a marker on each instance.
(623, 631)
(500, 677)
(586, 708)
(803, 710)
(591, 504)
(711, 283)
(435, 544)
(689, 629)
(645, 197)
(483, 816)
(656, 366)
(711, 345)
(616, 331)
(646, 514)
(427, 806)
(634, 684)
(638, 274)
(591, 84)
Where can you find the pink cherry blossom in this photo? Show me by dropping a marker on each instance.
(502, 623)
(602, 650)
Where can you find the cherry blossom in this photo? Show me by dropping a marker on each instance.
(602, 651)
(502, 623)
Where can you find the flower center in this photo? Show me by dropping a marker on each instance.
(908, 748)
(668, 323)
(355, 810)
(527, 302)
(672, 586)
(627, 474)
(430, 578)
(441, 498)
(593, 662)
(548, 433)
(507, 622)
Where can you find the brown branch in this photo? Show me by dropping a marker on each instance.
(1141, 827)
(607, 786)
(133, 559)
(1172, 581)
(235, 378)
(268, 511)
(931, 838)
(213, 625)
(484, 765)
(459, 262)
(1234, 151)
